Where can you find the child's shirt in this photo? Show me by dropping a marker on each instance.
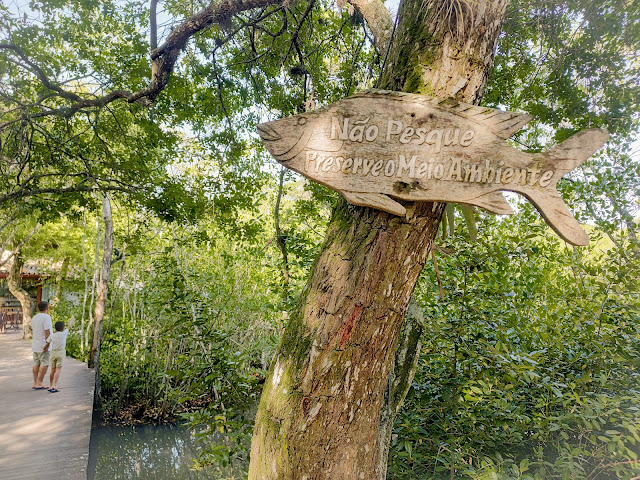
(58, 340)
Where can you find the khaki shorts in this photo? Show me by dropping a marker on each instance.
(57, 357)
(41, 358)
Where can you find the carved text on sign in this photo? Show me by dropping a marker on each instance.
(377, 146)
(396, 132)
(452, 170)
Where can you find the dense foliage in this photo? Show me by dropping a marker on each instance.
(530, 361)
(193, 317)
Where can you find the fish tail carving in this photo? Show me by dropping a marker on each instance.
(555, 212)
(570, 154)
(575, 150)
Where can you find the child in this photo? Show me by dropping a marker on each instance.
(58, 343)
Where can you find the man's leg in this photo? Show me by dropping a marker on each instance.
(35, 369)
(41, 373)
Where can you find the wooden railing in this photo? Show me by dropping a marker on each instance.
(10, 320)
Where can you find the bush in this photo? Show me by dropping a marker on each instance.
(529, 367)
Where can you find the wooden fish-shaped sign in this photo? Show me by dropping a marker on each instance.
(377, 146)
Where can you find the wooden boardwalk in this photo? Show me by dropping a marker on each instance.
(42, 434)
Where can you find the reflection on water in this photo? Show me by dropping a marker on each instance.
(146, 452)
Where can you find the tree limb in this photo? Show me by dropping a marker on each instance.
(16, 250)
(44, 79)
(378, 19)
(21, 193)
(164, 58)
(280, 238)
(400, 378)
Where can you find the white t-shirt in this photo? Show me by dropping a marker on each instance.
(39, 323)
(58, 340)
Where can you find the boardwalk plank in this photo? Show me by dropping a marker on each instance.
(42, 434)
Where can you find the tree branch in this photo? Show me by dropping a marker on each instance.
(163, 60)
(165, 56)
(400, 378)
(378, 19)
(23, 192)
(44, 79)
(16, 251)
(8, 222)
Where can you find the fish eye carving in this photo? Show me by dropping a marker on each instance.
(302, 120)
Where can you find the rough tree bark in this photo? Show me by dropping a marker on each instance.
(319, 416)
(103, 286)
(14, 282)
(320, 408)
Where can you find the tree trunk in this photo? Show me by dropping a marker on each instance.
(443, 48)
(103, 285)
(320, 408)
(95, 279)
(14, 282)
(83, 342)
(400, 379)
(319, 415)
(281, 238)
(64, 269)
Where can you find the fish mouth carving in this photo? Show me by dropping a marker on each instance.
(279, 145)
(268, 133)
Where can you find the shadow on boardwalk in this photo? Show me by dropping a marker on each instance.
(42, 434)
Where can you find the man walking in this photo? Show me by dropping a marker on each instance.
(41, 326)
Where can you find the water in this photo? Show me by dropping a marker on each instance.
(147, 452)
